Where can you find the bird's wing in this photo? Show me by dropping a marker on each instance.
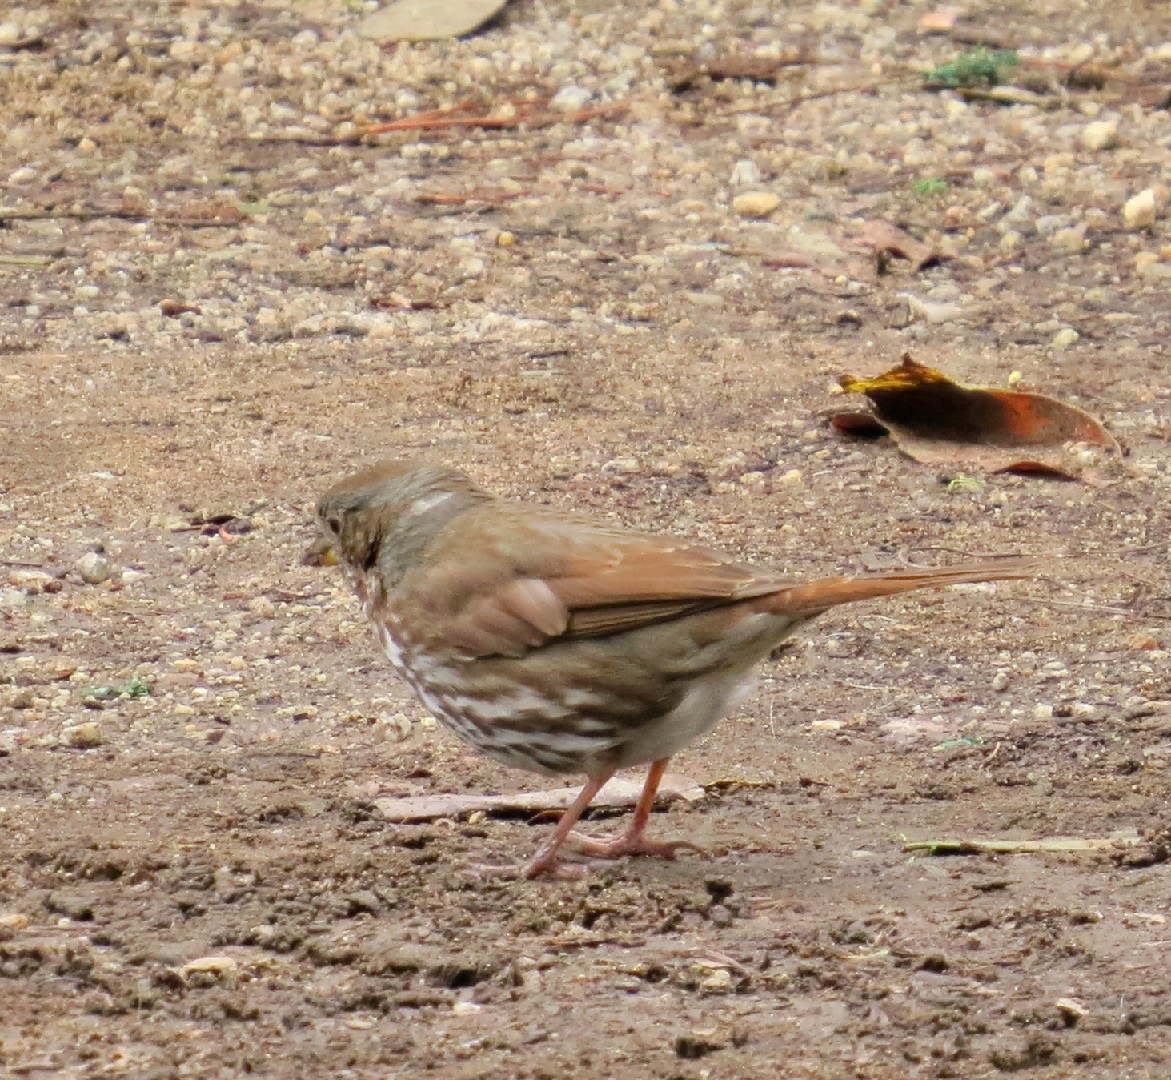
(549, 577)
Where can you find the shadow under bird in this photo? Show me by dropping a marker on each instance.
(560, 644)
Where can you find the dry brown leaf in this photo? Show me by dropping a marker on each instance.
(940, 422)
(887, 239)
(617, 794)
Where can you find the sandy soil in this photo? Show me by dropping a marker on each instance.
(215, 302)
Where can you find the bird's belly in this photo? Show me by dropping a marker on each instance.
(704, 704)
(516, 725)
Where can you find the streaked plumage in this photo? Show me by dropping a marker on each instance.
(561, 645)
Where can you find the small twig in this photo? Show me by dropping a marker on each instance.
(51, 213)
(440, 119)
(440, 199)
(904, 554)
(599, 189)
(194, 222)
(1059, 844)
(991, 756)
(1101, 608)
(443, 118)
(720, 958)
(25, 260)
(792, 103)
(199, 222)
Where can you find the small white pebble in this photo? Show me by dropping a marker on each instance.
(93, 568)
(718, 980)
(1100, 135)
(745, 173)
(1141, 210)
(570, 98)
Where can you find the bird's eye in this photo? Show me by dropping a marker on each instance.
(334, 524)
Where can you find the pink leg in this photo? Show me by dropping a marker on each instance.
(545, 860)
(634, 840)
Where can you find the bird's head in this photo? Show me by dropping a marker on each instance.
(386, 515)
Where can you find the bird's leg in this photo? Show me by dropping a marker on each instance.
(634, 840)
(545, 860)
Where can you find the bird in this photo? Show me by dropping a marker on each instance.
(561, 644)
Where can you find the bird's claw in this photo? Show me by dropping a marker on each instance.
(630, 844)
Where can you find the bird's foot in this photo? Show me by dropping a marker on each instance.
(549, 863)
(631, 843)
(537, 866)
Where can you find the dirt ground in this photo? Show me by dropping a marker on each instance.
(214, 301)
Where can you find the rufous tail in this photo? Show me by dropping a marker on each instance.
(817, 596)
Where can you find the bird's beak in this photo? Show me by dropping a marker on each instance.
(320, 553)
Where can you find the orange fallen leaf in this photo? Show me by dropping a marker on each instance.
(940, 422)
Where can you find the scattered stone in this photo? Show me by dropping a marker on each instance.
(931, 312)
(83, 736)
(570, 98)
(20, 697)
(1048, 224)
(1071, 1009)
(1065, 337)
(1141, 210)
(699, 1043)
(9, 33)
(1000, 682)
(1152, 266)
(745, 173)
(262, 606)
(1043, 711)
(1021, 212)
(394, 728)
(211, 968)
(718, 982)
(33, 581)
(93, 568)
(755, 204)
(13, 599)
(1100, 135)
(1071, 240)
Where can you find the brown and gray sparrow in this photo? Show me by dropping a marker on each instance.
(559, 644)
